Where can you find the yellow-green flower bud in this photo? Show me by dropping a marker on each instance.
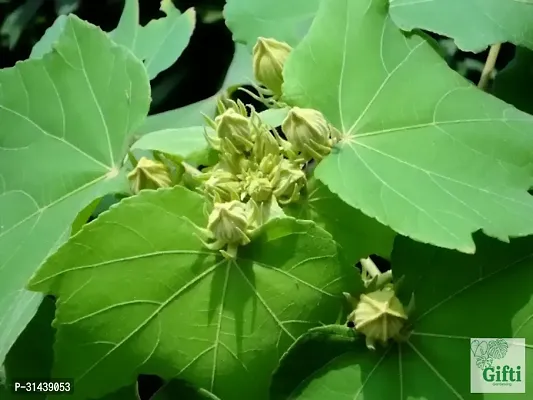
(222, 186)
(149, 174)
(270, 163)
(228, 223)
(265, 144)
(288, 180)
(258, 187)
(233, 129)
(308, 132)
(269, 57)
(379, 315)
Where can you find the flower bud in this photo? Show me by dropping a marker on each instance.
(149, 174)
(269, 57)
(379, 315)
(288, 180)
(233, 129)
(222, 186)
(269, 164)
(228, 223)
(265, 144)
(308, 132)
(258, 188)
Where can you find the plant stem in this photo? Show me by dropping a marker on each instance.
(132, 159)
(369, 267)
(489, 66)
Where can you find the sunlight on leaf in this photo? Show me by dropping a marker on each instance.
(158, 302)
(425, 151)
(66, 120)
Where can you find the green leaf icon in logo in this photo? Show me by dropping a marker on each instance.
(497, 349)
(479, 348)
(483, 362)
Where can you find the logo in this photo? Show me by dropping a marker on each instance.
(497, 365)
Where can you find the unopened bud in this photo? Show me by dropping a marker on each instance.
(149, 174)
(233, 129)
(288, 180)
(222, 186)
(269, 57)
(258, 188)
(308, 132)
(265, 144)
(228, 223)
(379, 315)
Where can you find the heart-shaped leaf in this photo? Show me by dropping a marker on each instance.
(155, 301)
(424, 151)
(66, 120)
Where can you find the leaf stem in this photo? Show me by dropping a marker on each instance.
(369, 267)
(489, 66)
(132, 159)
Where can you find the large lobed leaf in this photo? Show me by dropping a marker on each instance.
(457, 297)
(425, 151)
(155, 301)
(474, 24)
(65, 123)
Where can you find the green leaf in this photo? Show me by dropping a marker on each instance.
(84, 215)
(181, 142)
(161, 41)
(309, 355)
(473, 24)
(66, 120)
(274, 117)
(458, 297)
(31, 357)
(513, 84)
(180, 389)
(130, 392)
(50, 37)
(283, 20)
(239, 73)
(158, 302)
(358, 235)
(425, 152)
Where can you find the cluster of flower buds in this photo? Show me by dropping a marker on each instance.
(258, 168)
(254, 174)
